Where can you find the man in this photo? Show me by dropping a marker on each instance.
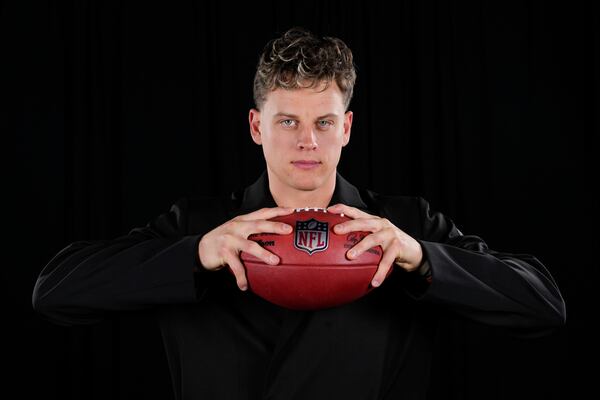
(227, 343)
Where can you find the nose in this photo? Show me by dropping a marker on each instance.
(307, 139)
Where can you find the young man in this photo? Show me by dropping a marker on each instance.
(227, 343)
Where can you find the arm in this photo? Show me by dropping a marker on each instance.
(510, 290)
(149, 266)
(165, 262)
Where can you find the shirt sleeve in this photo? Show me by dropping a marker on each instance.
(154, 264)
(492, 287)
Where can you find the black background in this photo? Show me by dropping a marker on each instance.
(113, 110)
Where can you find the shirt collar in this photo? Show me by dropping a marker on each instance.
(258, 194)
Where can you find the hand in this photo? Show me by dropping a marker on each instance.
(222, 245)
(398, 247)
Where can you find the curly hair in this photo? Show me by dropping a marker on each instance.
(299, 59)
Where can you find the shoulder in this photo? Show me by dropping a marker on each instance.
(404, 211)
(415, 216)
(391, 201)
(390, 204)
(200, 212)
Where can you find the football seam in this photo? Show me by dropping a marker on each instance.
(313, 266)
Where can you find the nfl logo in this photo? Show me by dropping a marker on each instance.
(311, 236)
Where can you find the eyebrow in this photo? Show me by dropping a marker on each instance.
(294, 116)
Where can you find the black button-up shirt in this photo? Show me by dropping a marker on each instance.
(223, 343)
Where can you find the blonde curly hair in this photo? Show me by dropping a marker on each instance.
(299, 59)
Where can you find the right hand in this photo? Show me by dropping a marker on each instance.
(222, 245)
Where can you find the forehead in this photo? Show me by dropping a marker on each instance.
(305, 100)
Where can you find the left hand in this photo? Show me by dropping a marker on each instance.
(398, 247)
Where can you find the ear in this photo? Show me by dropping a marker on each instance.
(347, 127)
(254, 121)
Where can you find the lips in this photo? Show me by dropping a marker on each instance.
(306, 164)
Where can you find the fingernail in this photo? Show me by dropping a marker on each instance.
(243, 287)
(273, 260)
(286, 228)
(339, 229)
(351, 253)
(375, 283)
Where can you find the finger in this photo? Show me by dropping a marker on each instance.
(383, 268)
(362, 224)
(238, 270)
(389, 255)
(249, 227)
(374, 239)
(266, 213)
(259, 252)
(348, 211)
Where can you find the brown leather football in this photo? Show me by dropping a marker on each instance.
(313, 272)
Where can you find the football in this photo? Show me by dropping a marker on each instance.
(313, 272)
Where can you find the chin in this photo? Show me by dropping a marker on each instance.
(303, 184)
(306, 182)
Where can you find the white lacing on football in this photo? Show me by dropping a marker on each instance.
(318, 209)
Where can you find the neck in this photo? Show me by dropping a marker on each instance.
(286, 196)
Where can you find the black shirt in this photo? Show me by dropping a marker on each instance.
(223, 343)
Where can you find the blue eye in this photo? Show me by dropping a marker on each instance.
(324, 123)
(287, 123)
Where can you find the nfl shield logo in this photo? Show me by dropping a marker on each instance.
(311, 236)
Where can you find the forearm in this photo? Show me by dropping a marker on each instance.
(87, 279)
(494, 288)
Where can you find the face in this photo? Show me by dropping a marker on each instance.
(302, 132)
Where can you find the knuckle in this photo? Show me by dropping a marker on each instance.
(390, 258)
(237, 268)
(269, 226)
(340, 227)
(258, 251)
(383, 267)
(223, 250)
(233, 266)
(254, 248)
(247, 246)
(227, 239)
(388, 230)
(257, 226)
(397, 242)
(233, 225)
(270, 258)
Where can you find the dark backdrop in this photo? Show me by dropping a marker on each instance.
(115, 109)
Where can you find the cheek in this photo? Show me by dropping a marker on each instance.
(334, 156)
(333, 145)
(275, 147)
